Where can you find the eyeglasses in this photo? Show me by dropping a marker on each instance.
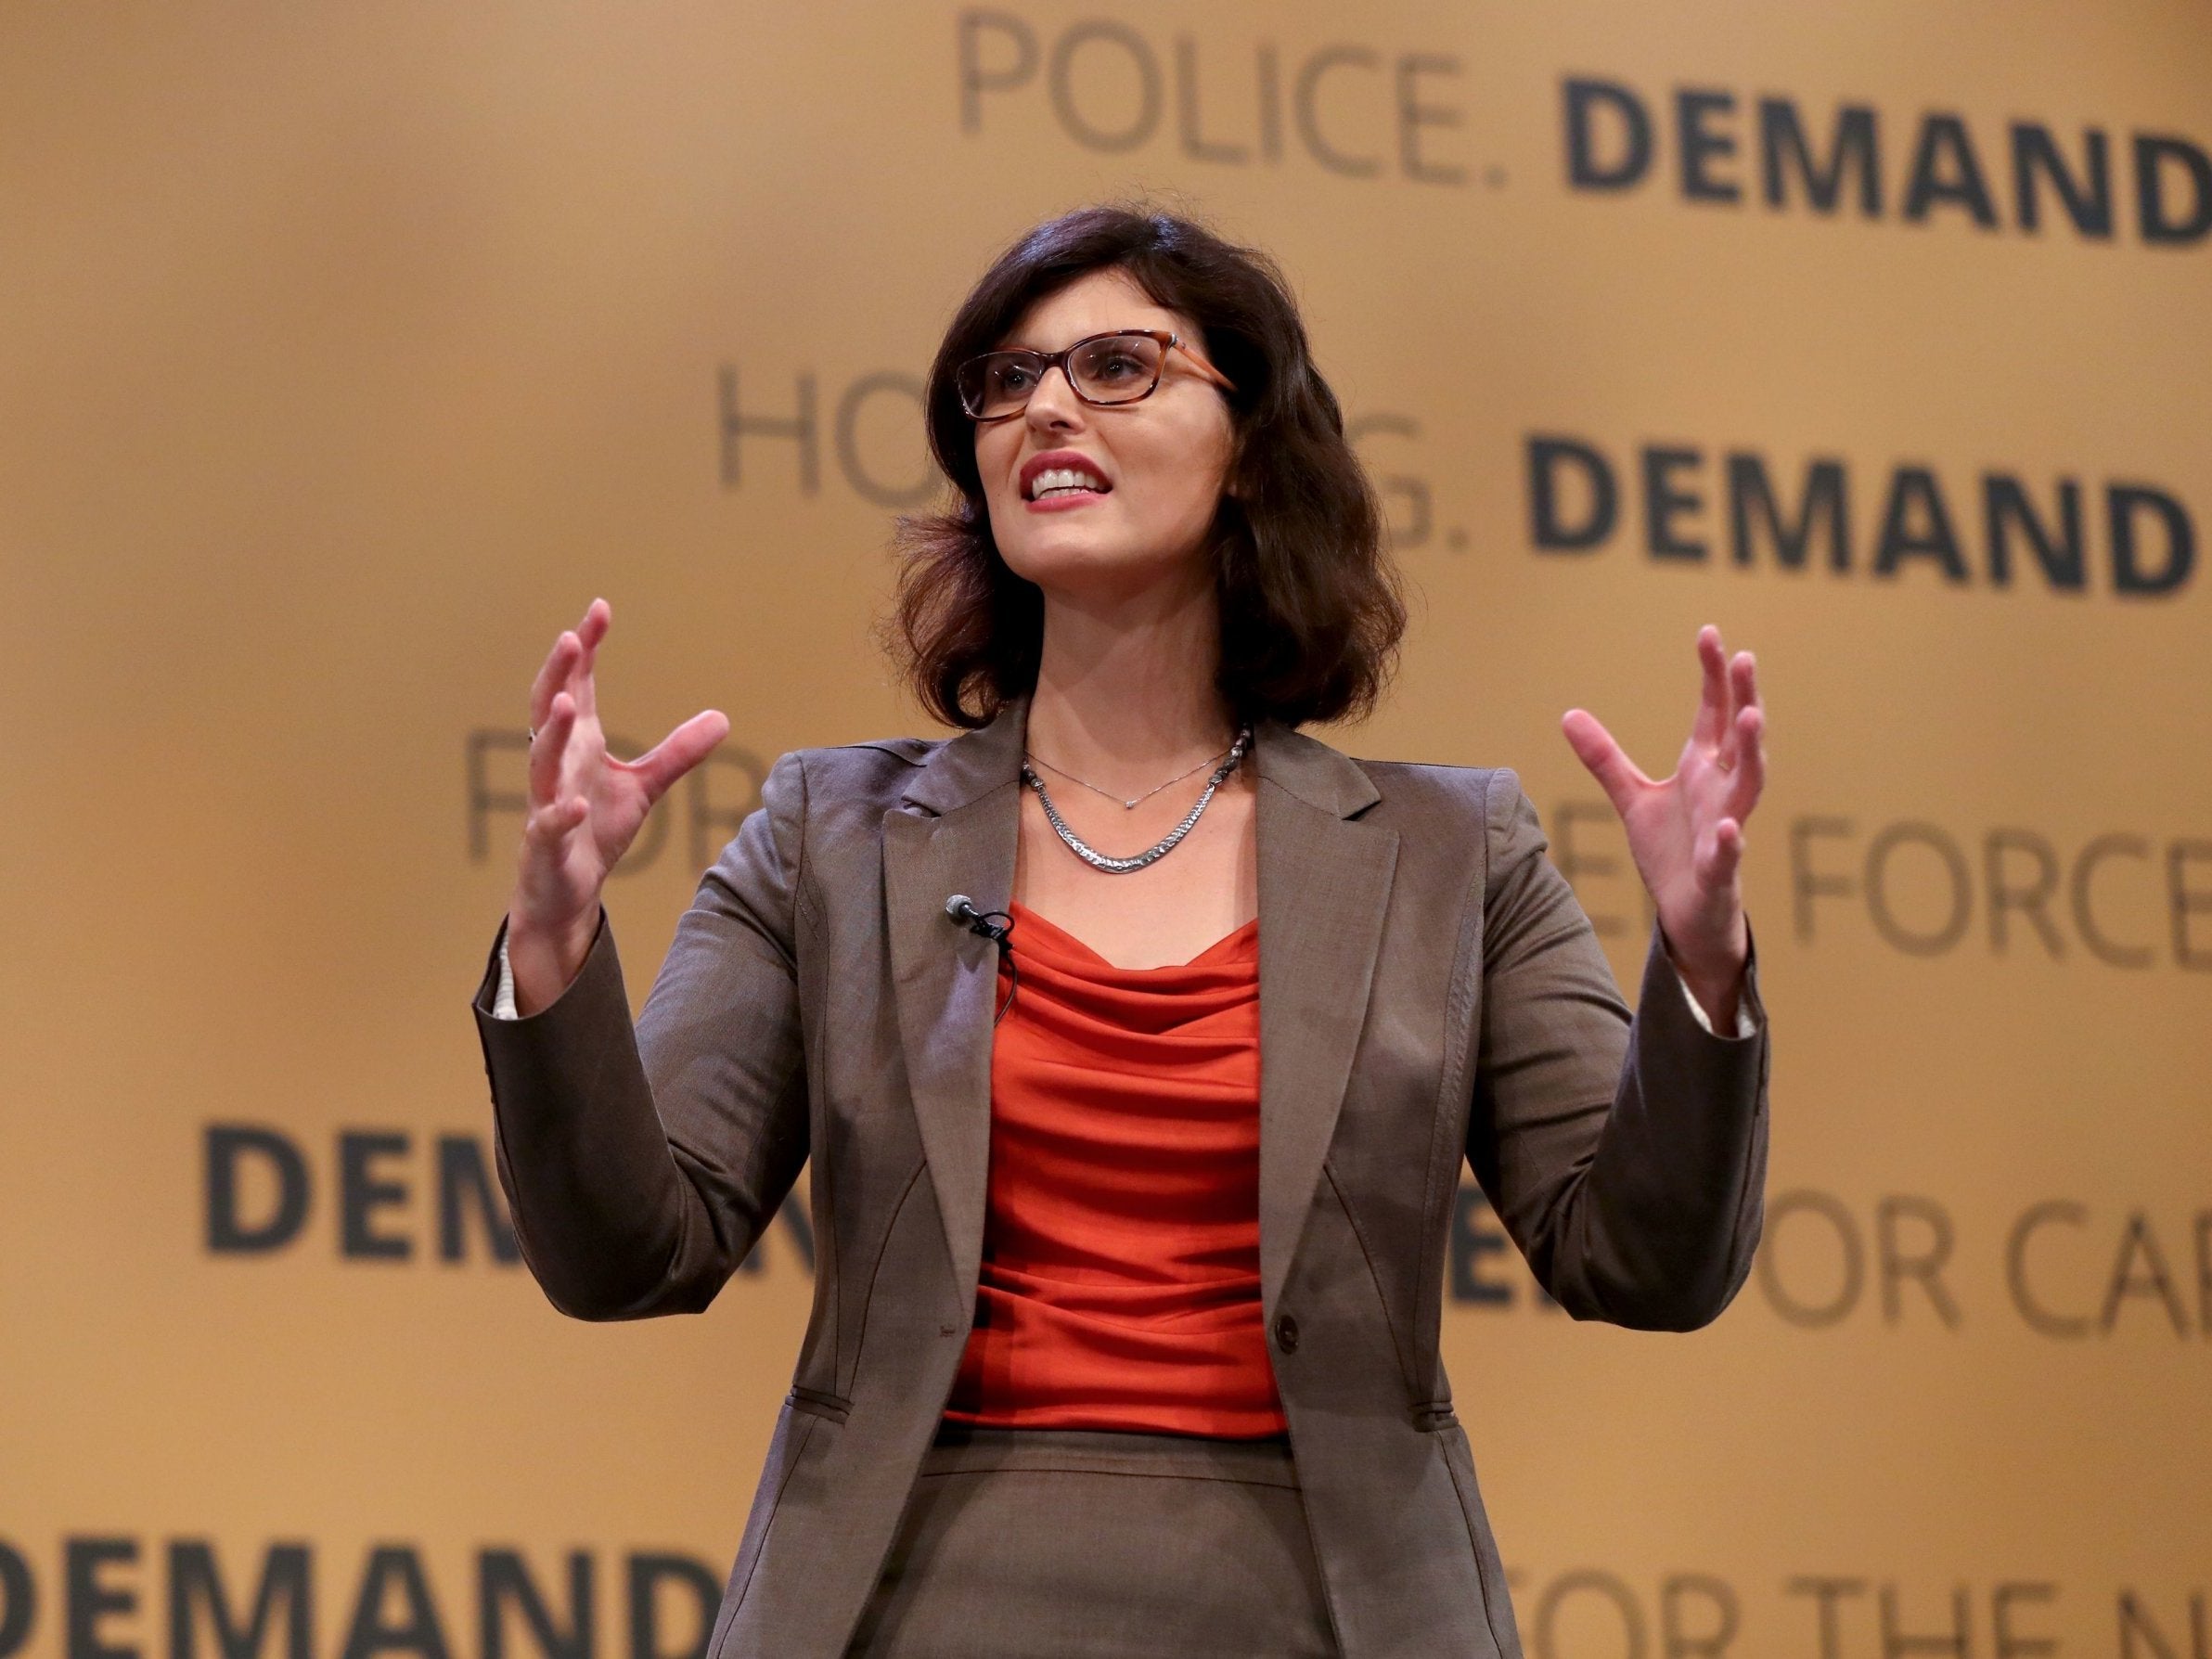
(1103, 369)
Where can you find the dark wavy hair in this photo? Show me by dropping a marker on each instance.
(1311, 613)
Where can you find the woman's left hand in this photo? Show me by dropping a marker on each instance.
(1686, 833)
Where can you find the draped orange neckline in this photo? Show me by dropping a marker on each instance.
(1119, 1284)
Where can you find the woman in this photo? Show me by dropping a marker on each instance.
(1118, 1207)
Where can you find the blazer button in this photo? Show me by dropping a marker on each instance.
(1286, 1333)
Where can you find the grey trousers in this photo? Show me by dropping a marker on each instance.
(1032, 1542)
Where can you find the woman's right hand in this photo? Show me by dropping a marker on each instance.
(585, 807)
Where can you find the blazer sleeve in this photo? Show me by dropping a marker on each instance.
(1626, 1158)
(641, 1161)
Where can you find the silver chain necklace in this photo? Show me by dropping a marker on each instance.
(1160, 848)
(1130, 803)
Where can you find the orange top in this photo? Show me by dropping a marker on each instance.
(1121, 1264)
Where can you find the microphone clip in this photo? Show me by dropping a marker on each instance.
(994, 925)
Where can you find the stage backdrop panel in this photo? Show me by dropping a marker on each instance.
(347, 351)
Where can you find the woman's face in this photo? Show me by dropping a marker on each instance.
(1159, 462)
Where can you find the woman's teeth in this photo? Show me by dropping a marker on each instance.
(1062, 480)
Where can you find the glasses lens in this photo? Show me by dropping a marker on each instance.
(1118, 369)
(998, 382)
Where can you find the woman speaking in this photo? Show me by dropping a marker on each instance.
(1135, 1038)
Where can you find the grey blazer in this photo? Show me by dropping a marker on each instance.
(1429, 991)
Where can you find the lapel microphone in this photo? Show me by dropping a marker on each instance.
(961, 909)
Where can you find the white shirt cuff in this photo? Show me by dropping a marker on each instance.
(1745, 1025)
(503, 999)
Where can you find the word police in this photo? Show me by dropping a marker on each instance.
(1343, 107)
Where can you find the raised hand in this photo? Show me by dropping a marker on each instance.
(585, 807)
(1686, 833)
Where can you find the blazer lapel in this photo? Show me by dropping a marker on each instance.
(944, 978)
(1324, 881)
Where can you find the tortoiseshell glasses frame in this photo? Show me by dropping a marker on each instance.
(1086, 365)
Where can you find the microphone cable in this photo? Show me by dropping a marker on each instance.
(995, 926)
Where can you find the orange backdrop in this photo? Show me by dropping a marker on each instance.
(347, 351)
